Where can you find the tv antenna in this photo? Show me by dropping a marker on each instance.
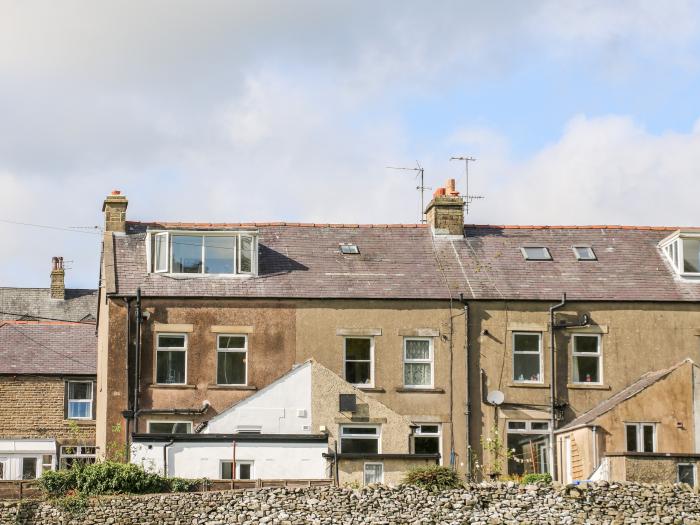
(468, 199)
(421, 187)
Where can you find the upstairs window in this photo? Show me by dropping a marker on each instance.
(536, 253)
(359, 361)
(683, 251)
(79, 400)
(232, 357)
(210, 254)
(171, 359)
(586, 355)
(426, 439)
(640, 437)
(359, 439)
(527, 357)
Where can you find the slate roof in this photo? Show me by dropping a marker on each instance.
(18, 303)
(644, 382)
(406, 262)
(51, 348)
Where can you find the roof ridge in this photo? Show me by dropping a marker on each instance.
(580, 227)
(281, 223)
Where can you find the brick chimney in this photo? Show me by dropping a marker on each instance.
(58, 279)
(114, 208)
(445, 213)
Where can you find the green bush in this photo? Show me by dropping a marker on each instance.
(183, 485)
(531, 479)
(58, 482)
(434, 477)
(116, 478)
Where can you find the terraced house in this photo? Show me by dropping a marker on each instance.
(461, 332)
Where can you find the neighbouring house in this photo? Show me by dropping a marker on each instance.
(648, 431)
(308, 424)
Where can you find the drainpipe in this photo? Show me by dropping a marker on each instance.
(467, 409)
(165, 457)
(596, 463)
(137, 359)
(552, 385)
(127, 303)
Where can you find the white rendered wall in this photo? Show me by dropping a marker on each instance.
(203, 460)
(283, 407)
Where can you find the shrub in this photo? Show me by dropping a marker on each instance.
(434, 477)
(58, 482)
(183, 485)
(116, 478)
(530, 479)
(73, 504)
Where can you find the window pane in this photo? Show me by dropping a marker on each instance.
(586, 369)
(631, 438)
(219, 254)
(686, 474)
(526, 367)
(358, 349)
(517, 425)
(358, 373)
(232, 341)
(372, 431)
(691, 255)
(28, 468)
(182, 428)
(171, 341)
(584, 253)
(79, 409)
(359, 446)
(170, 367)
(539, 425)
(417, 374)
(160, 256)
(79, 390)
(373, 473)
(648, 438)
(231, 368)
(246, 254)
(427, 445)
(428, 429)
(526, 342)
(537, 253)
(417, 349)
(187, 253)
(244, 470)
(226, 470)
(586, 343)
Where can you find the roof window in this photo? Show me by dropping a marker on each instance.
(683, 251)
(585, 253)
(536, 253)
(349, 249)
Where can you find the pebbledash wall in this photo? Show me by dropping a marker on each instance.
(485, 503)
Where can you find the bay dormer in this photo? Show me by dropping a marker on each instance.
(682, 248)
(202, 253)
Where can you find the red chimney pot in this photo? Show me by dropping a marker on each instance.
(116, 192)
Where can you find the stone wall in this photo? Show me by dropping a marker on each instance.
(507, 503)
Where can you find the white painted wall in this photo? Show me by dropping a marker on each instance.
(283, 407)
(203, 460)
(13, 451)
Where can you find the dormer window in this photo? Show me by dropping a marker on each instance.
(585, 253)
(349, 249)
(536, 253)
(683, 251)
(211, 253)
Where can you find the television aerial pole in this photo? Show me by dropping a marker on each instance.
(421, 187)
(468, 198)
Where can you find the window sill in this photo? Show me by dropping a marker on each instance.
(372, 389)
(404, 390)
(232, 387)
(81, 422)
(527, 385)
(584, 386)
(185, 387)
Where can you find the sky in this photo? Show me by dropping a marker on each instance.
(578, 112)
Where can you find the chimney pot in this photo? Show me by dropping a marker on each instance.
(439, 192)
(116, 192)
(450, 187)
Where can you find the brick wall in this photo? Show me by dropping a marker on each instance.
(32, 407)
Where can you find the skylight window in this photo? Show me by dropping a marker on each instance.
(349, 249)
(585, 253)
(536, 253)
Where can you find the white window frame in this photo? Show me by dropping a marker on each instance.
(248, 429)
(371, 360)
(528, 426)
(82, 401)
(170, 349)
(377, 436)
(374, 464)
(253, 254)
(156, 236)
(695, 472)
(37, 466)
(539, 353)
(599, 355)
(4, 465)
(578, 255)
(524, 249)
(243, 350)
(237, 474)
(430, 361)
(674, 246)
(169, 422)
(639, 425)
(419, 433)
(78, 454)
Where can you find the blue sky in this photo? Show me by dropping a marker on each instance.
(578, 112)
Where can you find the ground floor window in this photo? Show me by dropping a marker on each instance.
(2, 468)
(244, 469)
(426, 439)
(640, 437)
(686, 473)
(359, 439)
(529, 440)
(374, 473)
(28, 468)
(72, 455)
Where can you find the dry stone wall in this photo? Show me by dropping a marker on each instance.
(486, 504)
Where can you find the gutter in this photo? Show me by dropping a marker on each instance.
(552, 386)
(178, 411)
(228, 438)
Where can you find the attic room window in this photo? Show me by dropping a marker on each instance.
(536, 253)
(585, 253)
(211, 253)
(349, 249)
(683, 251)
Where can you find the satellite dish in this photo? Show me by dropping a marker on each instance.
(495, 397)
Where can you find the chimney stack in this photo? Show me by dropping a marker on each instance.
(58, 279)
(114, 208)
(445, 213)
